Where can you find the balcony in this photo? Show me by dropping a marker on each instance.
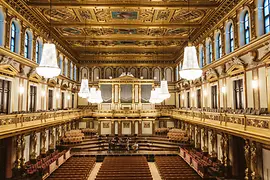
(15, 123)
(126, 113)
(244, 125)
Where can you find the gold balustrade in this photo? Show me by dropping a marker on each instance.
(244, 125)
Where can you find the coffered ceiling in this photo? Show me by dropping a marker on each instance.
(118, 30)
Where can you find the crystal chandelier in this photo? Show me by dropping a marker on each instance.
(99, 97)
(164, 92)
(190, 69)
(155, 96)
(92, 96)
(84, 90)
(48, 66)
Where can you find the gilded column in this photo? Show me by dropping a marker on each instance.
(247, 158)
(113, 128)
(132, 128)
(252, 20)
(33, 146)
(7, 34)
(23, 29)
(119, 128)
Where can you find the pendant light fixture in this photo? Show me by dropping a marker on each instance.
(190, 69)
(48, 67)
(99, 97)
(84, 90)
(92, 96)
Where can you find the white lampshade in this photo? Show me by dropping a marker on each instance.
(84, 90)
(153, 96)
(92, 97)
(190, 69)
(164, 92)
(48, 66)
(159, 97)
(99, 97)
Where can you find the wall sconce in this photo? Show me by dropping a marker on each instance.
(21, 89)
(223, 89)
(57, 95)
(68, 97)
(255, 84)
(192, 95)
(141, 77)
(110, 77)
(97, 77)
(183, 97)
(43, 93)
(204, 92)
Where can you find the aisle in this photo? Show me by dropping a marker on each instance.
(95, 170)
(154, 171)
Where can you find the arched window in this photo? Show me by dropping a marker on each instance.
(66, 67)
(13, 37)
(231, 38)
(26, 45)
(201, 56)
(61, 64)
(37, 52)
(246, 28)
(266, 15)
(71, 71)
(218, 46)
(209, 51)
(2, 27)
(74, 73)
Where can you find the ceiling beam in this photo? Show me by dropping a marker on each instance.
(126, 38)
(196, 4)
(131, 25)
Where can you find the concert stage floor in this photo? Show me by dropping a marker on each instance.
(105, 153)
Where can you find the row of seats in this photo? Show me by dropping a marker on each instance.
(73, 136)
(174, 167)
(76, 168)
(128, 167)
(178, 135)
(89, 131)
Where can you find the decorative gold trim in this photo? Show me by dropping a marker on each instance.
(8, 69)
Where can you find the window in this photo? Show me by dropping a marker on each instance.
(37, 52)
(266, 15)
(50, 103)
(2, 27)
(13, 37)
(33, 94)
(4, 96)
(188, 99)
(246, 28)
(75, 73)
(61, 64)
(63, 100)
(209, 52)
(214, 97)
(72, 101)
(201, 57)
(199, 99)
(231, 38)
(218, 46)
(238, 94)
(26, 45)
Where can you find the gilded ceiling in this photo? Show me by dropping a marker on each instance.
(154, 30)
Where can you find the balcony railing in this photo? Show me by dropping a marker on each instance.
(126, 113)
(17, 122)
(246, 124)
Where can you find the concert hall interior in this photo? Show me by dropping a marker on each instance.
(134, 89)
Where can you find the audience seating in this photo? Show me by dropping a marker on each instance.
(161, 131)
(73, 136)
(126, 168)
(174, 167)
(76, 168)
(89, 131)
(178, 135)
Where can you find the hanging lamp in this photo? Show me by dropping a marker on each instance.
(190, 69)
(99, 97)
(48, 67)
(92, 96)
(84, 90)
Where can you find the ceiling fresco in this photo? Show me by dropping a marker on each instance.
(160, 26)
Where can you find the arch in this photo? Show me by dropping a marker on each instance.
(244, 27)
(229, 37)
(157, 73)
(119, 71)
(2, 27)
(201, 55)
(84, 73)
(96, 73)
(15, 30)
(133, 71)
(28, 42)
(39, 46)
(209, 51)
(108, 72)
(169, 74)
(145, 73)
(218, 45)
